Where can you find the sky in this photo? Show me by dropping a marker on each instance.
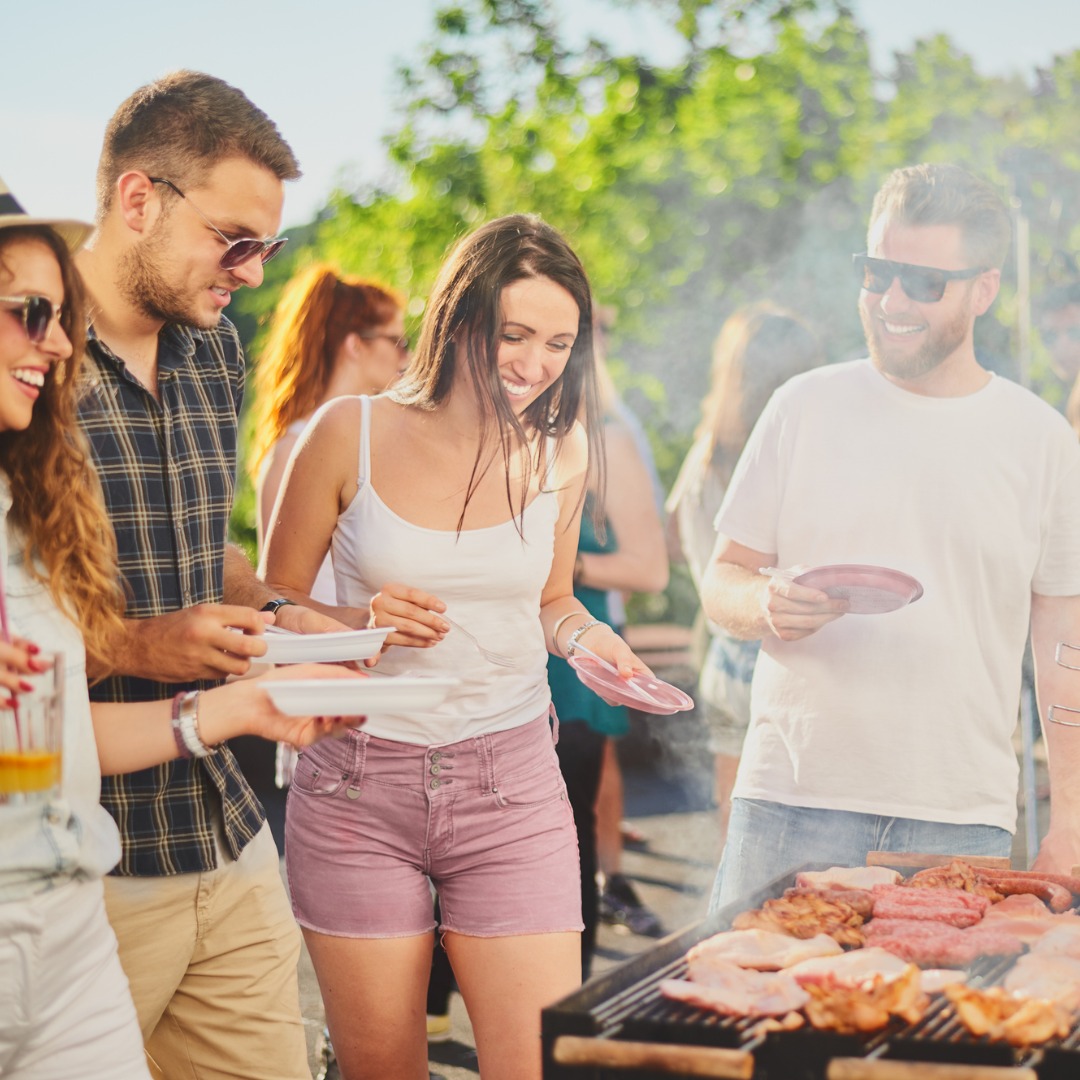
(324, 71)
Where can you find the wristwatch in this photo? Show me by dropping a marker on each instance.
(273, 605)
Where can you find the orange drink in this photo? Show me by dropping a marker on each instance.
(34, 770)
(31, 736)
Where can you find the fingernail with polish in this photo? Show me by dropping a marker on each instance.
(25, 686)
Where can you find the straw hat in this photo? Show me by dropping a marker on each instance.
(73, 233)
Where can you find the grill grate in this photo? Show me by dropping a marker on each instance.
(626, 1004)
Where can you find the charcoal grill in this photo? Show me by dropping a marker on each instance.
(618, 1027)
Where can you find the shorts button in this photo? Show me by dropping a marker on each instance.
(353, 793)
(436, 757)
(435, 770)
(434, 784)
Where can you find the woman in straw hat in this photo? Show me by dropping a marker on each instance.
(65, 1007)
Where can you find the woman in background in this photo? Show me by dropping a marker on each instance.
(330, 335)
(758, 349)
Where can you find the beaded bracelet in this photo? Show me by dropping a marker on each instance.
(578, 633)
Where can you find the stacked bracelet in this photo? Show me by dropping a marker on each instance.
(185, 725)
(575, 637)
(181, 746)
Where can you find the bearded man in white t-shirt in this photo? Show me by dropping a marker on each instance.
(893, 731)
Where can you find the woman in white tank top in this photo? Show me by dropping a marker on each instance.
(457, 492)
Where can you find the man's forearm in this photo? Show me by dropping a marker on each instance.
(241, 585)
(732, 597)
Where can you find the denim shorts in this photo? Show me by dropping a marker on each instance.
(767, 840)
(370, 821)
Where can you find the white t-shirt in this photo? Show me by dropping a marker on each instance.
(907, 714)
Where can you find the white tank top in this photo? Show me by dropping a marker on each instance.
(490, 580)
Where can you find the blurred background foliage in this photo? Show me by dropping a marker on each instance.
(742, 172)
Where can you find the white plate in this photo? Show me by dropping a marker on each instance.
(357, 697)
(284, 647)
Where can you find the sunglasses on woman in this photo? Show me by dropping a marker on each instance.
(237, 251)
(924, 284)
(38, 313)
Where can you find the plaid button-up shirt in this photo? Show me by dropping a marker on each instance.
(168, 470)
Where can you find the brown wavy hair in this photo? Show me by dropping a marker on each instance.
(758, 349)
(463, 323)
(319, 308)
(57, 505)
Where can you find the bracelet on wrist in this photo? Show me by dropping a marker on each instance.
(577, 635)
(186, 723)
(178, 738)
(558, 626)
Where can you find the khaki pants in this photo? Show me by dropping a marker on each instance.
(211, 958)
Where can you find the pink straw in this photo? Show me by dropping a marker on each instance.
(6, 634)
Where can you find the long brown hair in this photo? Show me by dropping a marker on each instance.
(463, 321)
(57, 505)
(318, 309)
(758, 349)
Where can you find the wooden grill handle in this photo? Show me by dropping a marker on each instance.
(921, 860)
(682, 1060)
(879, 1069)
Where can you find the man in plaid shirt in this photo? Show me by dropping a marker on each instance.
(189, 201)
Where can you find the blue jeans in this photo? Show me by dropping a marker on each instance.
(768, 840)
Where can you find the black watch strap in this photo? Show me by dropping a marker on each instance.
(273, 605)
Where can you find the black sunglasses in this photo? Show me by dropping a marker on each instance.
(399, 343)
(924, 284)
(37, 315)
(236, 252)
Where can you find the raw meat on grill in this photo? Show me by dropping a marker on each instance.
(866, 1008)
(862, 900)
(1056, 896)
(844, 877)
(1053, 978)
(956, 875)
(950, 906)
(937, 944)
(1065, 881)
(758, 949)
(997, 1014)
(734, 991)
(1063, 940)
(807, 914)
(851, 969)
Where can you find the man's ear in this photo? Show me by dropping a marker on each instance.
(986, 289)
(136, 201)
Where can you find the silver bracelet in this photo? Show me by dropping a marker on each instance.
(578, 633)
(187, 722)
(558, 626)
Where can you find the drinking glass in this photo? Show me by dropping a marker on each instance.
(31, 736)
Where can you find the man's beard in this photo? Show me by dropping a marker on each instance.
(146, 287)
(907, 365)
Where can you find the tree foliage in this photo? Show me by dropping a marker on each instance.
(743, 170)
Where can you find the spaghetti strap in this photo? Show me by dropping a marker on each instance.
(365, 441)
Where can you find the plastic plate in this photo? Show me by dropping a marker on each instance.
(357, 697)
(669, 699)
(870, 590)
(283, 647)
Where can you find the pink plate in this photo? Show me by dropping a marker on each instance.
(670, 699)
(871, 590)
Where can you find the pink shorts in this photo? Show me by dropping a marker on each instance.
(487, 820)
